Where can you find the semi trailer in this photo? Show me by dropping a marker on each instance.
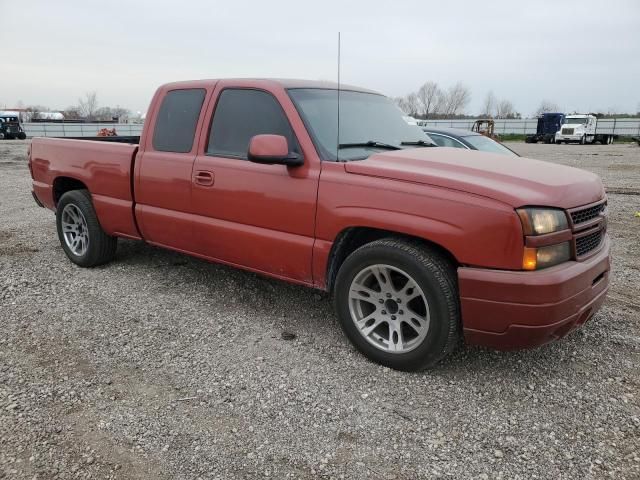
(582, 129)
(548, 126)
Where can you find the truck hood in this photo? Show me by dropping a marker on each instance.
(516, 181)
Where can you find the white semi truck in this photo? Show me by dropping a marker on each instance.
(582, 129)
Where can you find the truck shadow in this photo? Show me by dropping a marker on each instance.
(308, 313)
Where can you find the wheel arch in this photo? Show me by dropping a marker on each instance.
(64, 184)
(351, 238)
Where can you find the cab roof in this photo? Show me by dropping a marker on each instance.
(268, 83)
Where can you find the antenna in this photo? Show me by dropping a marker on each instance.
(338, 135)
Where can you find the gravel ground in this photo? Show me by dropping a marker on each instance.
(162, 366)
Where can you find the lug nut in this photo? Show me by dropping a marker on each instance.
(399, 300)
(388, 295)
(401, 312)
(393, 317)
(384, 312)
(381, 301)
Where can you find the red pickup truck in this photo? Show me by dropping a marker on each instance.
(420, 246)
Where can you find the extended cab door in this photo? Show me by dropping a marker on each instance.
(163, 168)
(260, 217)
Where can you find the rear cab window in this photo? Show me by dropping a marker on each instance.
(177, 120)
(242, 113)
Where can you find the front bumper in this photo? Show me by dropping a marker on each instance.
(509, 310)
(569, 138)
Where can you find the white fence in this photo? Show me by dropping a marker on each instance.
(51, 129)
(525, 126)
(618, 126)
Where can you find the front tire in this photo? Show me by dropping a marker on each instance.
(397, 301)
(80, 233)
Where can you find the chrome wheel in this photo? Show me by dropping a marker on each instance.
(75, 230)
(389, 308)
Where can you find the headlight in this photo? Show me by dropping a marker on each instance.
(543, 257)
(538, 221)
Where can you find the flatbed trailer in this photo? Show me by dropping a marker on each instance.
(582, 129)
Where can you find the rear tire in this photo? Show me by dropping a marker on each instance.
(80, 233)
(418, 322)
(22, 136)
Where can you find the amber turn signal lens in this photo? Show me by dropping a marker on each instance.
(530, 258)
(543, 257)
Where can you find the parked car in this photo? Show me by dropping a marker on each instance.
(459, 138)
(10, 126)
(419, 246)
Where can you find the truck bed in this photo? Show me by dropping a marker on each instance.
(116, 139)
(105, 168)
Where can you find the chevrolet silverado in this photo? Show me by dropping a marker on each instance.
(421, 247)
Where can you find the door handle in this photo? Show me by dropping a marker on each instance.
(204, 178)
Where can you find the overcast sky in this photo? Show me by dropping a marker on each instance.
(582, 55)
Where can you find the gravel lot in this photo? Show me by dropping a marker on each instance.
(162, 366)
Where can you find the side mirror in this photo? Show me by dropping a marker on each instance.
(272, 150)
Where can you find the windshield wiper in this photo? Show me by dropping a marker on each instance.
(419, 143)
(370, 143)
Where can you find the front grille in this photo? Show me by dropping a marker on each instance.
(567, 131)
(587, 243)
(586, 214)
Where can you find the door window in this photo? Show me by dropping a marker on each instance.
(241, 114)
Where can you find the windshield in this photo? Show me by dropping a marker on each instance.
(369, 123)
(10, 119)
(486, 144)
(577, 121)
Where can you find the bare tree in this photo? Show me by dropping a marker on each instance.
(72, 113)
(88, 105)
(401, 102)
(32, 112)
(457, 98)
(111, 113)
(441, 103)
(489, 105)
(505, 109)
(121, 113)
(547, 106)
(428, 95)
(413, 104)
